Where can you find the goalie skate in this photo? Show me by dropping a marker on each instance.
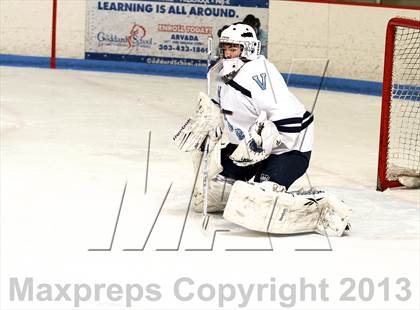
(262, 209)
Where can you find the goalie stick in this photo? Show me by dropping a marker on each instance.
(206, 144)
(206, 217)
(195, 134)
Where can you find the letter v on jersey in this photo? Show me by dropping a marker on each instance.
(261, 83)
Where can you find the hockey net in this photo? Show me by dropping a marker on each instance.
(399, 149)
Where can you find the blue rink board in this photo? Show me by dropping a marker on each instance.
(295, 80)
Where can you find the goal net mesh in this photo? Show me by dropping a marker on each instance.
(404, 127)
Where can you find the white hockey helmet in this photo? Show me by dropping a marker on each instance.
(245, 36)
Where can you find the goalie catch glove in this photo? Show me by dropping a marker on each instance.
(206, 120)
(263, 136)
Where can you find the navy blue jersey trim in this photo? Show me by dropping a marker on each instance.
(292, 120)
(222, 110)
(295, 129)
(227, 112)
(215, 102)
(239, 88)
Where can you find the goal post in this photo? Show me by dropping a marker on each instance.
(399, 141)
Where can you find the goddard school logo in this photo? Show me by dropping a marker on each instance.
(136, 38)
(136, 32)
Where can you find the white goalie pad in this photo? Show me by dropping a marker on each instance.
(276, 212)
(219, 186)
(214, 161)
(206, 120)
(217, 196)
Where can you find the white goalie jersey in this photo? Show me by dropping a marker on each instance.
(254, 90)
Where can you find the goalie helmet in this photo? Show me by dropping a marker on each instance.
(245, 36)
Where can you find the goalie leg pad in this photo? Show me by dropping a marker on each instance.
(218, 186)
(214, 162)
(262, 210)
(218, 194)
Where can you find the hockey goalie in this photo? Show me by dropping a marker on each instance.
(259, 142)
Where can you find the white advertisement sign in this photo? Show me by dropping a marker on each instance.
(165, 32)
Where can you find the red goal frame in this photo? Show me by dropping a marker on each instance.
(53, 35)
(382, 182)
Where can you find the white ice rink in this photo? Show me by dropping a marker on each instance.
(70, 140)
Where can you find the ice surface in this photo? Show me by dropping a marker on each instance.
(70, 140)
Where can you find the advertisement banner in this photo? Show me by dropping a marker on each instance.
(168, 31)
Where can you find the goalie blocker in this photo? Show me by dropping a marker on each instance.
(267, 207)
